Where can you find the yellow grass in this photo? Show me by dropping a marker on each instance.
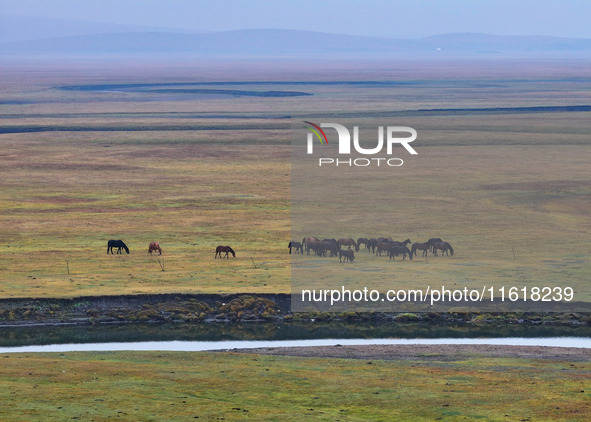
(490, 184)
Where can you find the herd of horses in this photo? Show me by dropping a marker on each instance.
(155, 247)
(329, 247)
(380, 245)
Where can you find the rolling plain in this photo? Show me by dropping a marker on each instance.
(197, 154)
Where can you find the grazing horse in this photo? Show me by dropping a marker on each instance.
(432, 241)
(220, 249)
(116, 244)
(444, 247)
(153, 247)
(371, 244)
(383, 246)
(319, 248)
(406, 242)
(297, 246)
(421, 247)
(310, 239)
(307, 241)
(331, 247)
(399, 250)
(348, 242)
(363, 241)
(347, 254)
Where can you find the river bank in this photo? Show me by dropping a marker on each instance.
(426, 352)
(195, 308)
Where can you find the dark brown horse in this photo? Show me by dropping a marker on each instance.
(404, 243)
(371, 244)
(348, 242)
(421, 247)
(383, 246)
(297, 246)
(153, 247)
(397, 250)
(363, 241)
(432, 241)
(319, 248)
(444, 247)
(347, 255)
(116, 244)
(221, 249)
(331, 247)
(307, 241)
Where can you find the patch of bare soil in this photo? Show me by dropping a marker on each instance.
(434, 352)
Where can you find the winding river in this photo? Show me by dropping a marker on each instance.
(201, 337)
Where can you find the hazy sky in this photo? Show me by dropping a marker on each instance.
(388, 18)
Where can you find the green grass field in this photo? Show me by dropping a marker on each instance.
(169, 386)
(193, 171)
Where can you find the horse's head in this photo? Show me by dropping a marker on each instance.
(451, 250)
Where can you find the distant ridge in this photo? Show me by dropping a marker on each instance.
(289, 43)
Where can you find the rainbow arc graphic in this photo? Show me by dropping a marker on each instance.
(317, 131)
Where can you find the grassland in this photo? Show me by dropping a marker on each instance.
(193, 171)
(174, 386)
(196, 170)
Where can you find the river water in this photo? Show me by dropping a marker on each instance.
(200, 337)
(196, 346)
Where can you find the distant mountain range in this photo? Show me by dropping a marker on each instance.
(122, 40)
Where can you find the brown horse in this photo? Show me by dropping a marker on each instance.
(371, 244)
(398, 250)
(221, 249)
(395, 243)
(154, 246)
(308, 241)
(383, 246)
(348, 242)
(444, 247)
(432, 241)
(421, 247)
(297, 246)
(346, 255)
(363, 241)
